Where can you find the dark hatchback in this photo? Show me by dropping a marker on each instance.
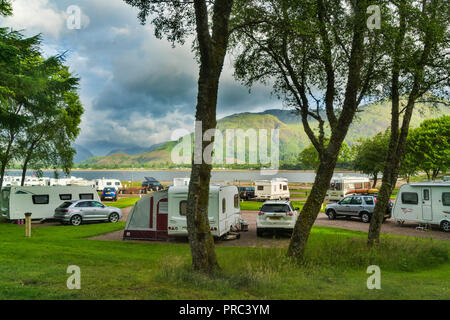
(246, 192)
(151, 184)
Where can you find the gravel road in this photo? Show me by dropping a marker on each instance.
(249, 239)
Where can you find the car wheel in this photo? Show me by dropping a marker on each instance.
(259, 232)
(113, 217)
(76, 220)
(445, 226)
(331, 214)
(365, 217)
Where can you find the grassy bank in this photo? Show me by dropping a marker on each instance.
(334, 268)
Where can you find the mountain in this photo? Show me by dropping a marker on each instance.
(81, 153)
(370, 120)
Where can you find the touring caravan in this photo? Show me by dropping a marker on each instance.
(41, 201)
(162, 214)
(181, 181)
(446, 178)
(275, 189)
(342, 186)
(424, 203)
(100, 184)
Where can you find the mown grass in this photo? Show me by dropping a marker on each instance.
(122, 202)
(256, 206)
(334, 267)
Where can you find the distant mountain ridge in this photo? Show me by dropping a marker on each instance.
(372, 119)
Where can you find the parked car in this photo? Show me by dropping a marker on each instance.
(276, 215)
(246, 192)
(151, 184)
(76, 212)
(109, 193)
(356, 206)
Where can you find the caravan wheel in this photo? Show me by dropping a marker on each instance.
(445, 226)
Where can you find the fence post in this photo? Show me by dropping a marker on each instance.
(28, 224)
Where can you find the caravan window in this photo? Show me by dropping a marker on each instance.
(426, 194)
(260, 187)
(236, 201)
(86, 196)
(108, 183)
(41, 199)
(285, 187)
(224, 202)
(410, 198)
(446, 198)
(117, 183)
(65, 197)
(183, 207)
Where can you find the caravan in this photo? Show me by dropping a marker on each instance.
(162, 214)
(275, 189)
(41, 201)
(342, 186)
(424, 203)
(101, 184)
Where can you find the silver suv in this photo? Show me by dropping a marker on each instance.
(355, 206)
(77, 211)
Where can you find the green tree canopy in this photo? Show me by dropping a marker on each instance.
(429, 145)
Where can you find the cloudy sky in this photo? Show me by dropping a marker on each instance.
(136, 89)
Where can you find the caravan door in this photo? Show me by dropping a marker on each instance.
(427, 212)
(162, 215)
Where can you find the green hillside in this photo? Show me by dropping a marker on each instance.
(371, 119)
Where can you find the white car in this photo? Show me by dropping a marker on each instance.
(276, 215)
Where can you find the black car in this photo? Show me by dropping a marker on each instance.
(246, 192)
(151, 184)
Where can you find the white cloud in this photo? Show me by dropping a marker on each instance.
(36, 16)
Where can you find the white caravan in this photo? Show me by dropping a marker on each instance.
(181, 182)
(40, 201)
(424, 203)
(446, 178)
(340, 186)
(224, 210)
(101, 184)
(275, 189)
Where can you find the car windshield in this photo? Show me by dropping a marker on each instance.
(109, 189)
(65, 205)
(275, 208)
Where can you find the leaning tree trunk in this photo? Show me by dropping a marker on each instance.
(24, 170)
(311, 208)
(329, 156)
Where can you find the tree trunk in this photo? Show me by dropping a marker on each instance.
(375, 180)
(397, 143)
(24, 170)
(5, 161)
(329, 156)
(212, 53)
(311, 209)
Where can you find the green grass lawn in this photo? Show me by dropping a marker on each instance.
(255, 205)
(122, 202)
(334, 267)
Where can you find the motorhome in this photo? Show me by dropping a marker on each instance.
(342, 186)
(100, 184)
(162, 214)
(41, 201)
(424, 203)
(275, 189)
